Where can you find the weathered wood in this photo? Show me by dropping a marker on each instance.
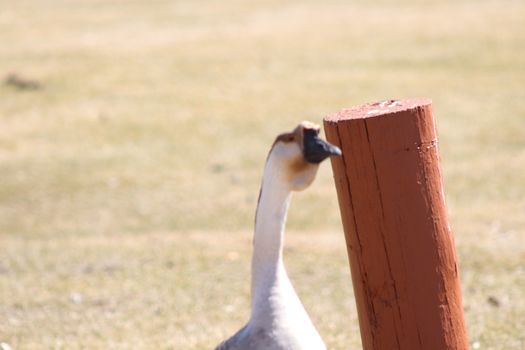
(400, 245)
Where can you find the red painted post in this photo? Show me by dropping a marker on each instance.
(401, 249)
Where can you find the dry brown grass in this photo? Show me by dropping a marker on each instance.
(129, 178)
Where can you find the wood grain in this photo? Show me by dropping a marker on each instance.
(400, 246)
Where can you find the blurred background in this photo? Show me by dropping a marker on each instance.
(133, 136)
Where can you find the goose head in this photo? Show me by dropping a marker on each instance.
(298, 153)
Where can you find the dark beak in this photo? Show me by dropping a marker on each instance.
(316, 149)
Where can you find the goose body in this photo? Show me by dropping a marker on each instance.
(278, 318)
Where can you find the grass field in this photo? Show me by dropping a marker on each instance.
(131, 161)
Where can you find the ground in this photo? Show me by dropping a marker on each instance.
(132, 140)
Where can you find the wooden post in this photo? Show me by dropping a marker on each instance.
(400, 245)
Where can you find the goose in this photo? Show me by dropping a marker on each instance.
(278, 318)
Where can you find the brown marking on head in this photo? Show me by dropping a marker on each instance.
(297, 135)
(304, 126)
(299, 164)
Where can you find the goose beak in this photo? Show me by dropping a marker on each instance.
(316, 149)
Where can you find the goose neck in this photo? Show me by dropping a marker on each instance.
(267, 263)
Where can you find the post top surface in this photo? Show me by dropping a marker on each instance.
(374, 109)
